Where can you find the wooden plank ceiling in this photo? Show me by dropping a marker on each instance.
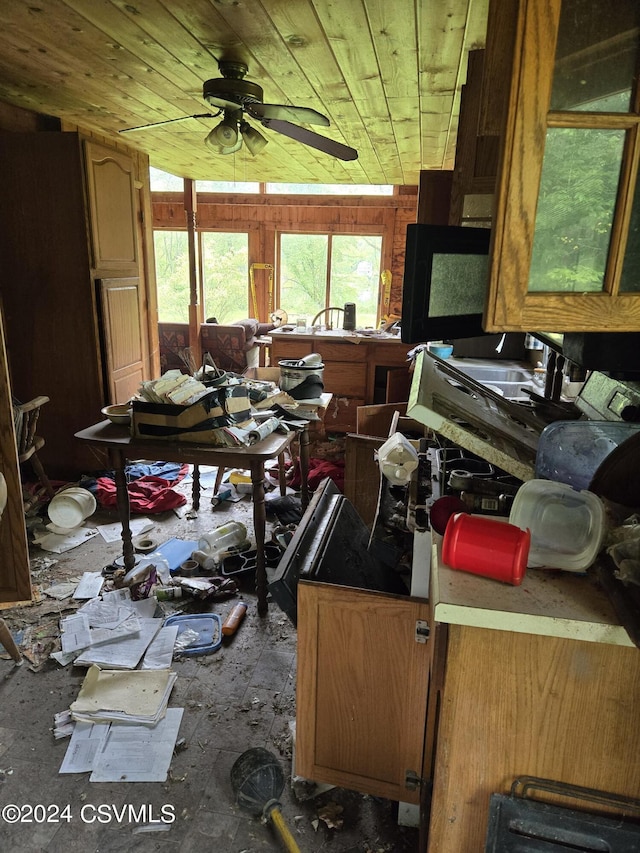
(386, 74)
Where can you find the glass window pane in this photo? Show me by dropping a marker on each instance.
(303, 274)
(580, 175)
(160, 181)
(630, 280)
(227, 187)
(331, 189)
(172, 275)
(355, 275)
(596, 55)
(225, 269)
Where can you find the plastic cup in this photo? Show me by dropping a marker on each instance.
(484, 546)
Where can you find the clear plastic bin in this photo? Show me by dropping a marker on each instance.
(567, 526)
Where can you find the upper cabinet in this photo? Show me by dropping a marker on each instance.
(112, 203)
(566, 227)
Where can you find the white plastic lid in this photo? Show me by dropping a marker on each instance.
(567, 526)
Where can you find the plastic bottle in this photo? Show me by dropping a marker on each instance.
(233, 620)
(398, 458)
(223, 538)
(166, 593)
(204, 560)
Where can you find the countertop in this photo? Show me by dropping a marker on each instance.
(355, 337)
(548, 602)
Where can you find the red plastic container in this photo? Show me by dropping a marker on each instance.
(484, 546)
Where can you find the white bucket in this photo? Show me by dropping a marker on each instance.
(294, 372)
(70, 507)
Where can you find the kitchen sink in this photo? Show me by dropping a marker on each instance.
(494, 375)
(507, 380)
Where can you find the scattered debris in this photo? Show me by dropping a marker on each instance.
(330, 814)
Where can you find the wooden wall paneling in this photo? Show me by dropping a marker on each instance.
(434, 197)
(50, 307)
(15, 577)
(498, 67)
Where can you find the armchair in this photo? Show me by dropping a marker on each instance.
(173, 340)
(233, 347)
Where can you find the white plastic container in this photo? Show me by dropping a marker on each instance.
(567, 526)
(69, 508)
(397, 459)
(220, 540)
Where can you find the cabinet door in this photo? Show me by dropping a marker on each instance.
(120, 304)
(361, 689)
(566, 241)
(112, 204)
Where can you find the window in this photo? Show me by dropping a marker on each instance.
(321, 270)
(172, 275)
(331, 189)
(225, 275)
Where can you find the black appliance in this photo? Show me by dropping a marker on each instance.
(518, 823)
(446, 274)
(331, 545)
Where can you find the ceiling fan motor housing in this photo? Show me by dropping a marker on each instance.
(221, 92)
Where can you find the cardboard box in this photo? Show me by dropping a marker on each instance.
(198, 423)
(266, 374)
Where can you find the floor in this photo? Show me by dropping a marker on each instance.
(239, 697)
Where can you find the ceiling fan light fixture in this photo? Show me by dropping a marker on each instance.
(253, 139)
(225, 134)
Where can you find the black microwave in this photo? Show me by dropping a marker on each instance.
(446, 274)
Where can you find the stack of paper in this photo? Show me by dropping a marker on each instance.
(111, 631)
(139, 697)
(118, 753)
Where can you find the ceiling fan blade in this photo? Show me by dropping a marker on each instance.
(310, 137)
(168, 121)
(286, 113)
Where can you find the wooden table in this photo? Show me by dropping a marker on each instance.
(121, 446)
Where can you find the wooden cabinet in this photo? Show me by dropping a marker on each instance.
(77, 341)
(357, 371)
(566, 241)
(512, 705)
(363, 668)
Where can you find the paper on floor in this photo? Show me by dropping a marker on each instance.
(111, 695)
(136, 753)
(59, 544)
(113, 532)
(123, 653)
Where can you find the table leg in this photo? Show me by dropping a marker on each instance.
(259, 525)
(195, 489)
(282, 475)
(122, 502)
(304, 467)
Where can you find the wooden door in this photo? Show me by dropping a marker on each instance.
(121, 329)
(361, 690)
(112, 205)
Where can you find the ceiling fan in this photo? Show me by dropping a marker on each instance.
(234, 97)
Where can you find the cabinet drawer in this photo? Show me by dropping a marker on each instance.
(288, 350)
(344, 379)
(390, 355)
(331, 351)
